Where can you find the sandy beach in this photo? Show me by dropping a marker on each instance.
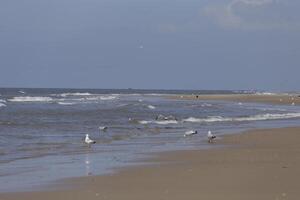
(149, 100)
(258, 164)
(279, 99)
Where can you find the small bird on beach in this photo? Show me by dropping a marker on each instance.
(190, 133)
(103, 128)
(88, 141)
(210, 136)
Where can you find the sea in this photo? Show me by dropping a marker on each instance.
(42, 130)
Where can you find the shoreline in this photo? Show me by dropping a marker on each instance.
(255, 164)
(275, 99)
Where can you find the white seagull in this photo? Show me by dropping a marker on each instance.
(210, 137)
(190, 133)
(88, 141)
(103, 128)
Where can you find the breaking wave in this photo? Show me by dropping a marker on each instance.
(75, 94)
(97, 98)
(30, 99)
(108, 98)
(151, 107)
(241, 119)
(265, 93)
(164, 122)
(65, 103)
(2, 105)
(206, 105)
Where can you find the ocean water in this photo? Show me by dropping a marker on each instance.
(42, 130)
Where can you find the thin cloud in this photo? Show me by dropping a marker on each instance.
(251, 15)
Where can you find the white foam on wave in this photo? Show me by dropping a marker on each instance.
(2, 101)
(164, 122)
(108, 98)
(65, 103)
(2, 105)
(85, 97)
(265, 93)
(31, 99)
(156, 94)
(75, 94)
(102, 98)
(151, 107)
(206, 105)
(209, 119)
(272, 109)
(241, 119)
(144, 122)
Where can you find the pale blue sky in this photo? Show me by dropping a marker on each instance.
(159, 44)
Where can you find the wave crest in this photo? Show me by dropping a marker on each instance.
(164, 122)
(30, 99)
(65, 103)
(2, 105)
(151, 107)
(75, 94)
(260, 117)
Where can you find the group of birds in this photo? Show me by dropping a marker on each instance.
(210, 136)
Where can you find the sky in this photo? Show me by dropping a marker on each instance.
(151, 44)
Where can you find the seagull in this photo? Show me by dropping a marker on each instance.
(190, 133)
(88, 141)
(210, 137)
(103, 128)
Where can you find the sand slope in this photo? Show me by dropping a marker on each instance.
(280, 99)
(261, 164)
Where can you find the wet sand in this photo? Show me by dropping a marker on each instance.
(280, 99)
(258, 164)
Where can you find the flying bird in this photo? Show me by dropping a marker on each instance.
(210, 137)
(190, 133)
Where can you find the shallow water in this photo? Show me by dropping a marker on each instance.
(41, 131)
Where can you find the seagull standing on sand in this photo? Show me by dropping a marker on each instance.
(190, 133)
(88, 141)
(103, 128)
(210, 137)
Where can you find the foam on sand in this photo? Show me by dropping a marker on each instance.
(30, 99)
(241, 119)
